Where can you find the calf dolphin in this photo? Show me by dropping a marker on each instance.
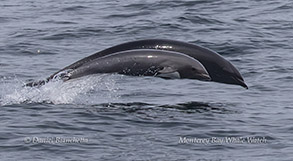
(219, 69)
(142, 62)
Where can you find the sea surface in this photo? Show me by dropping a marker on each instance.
(115, 117)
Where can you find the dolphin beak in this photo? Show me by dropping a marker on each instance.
(240, 82)
(205, 77)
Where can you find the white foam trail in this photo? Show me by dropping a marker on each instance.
(94, 89)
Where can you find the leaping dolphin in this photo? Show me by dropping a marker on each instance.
(141, 62)
(219, 69)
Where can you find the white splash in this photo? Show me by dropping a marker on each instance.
(93, 89)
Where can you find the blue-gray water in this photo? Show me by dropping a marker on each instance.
(134, 118)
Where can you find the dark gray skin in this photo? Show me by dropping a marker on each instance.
(165, 64)
(219, 69)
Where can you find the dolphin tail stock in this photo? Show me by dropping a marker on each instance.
(36, 84)
(62, 75)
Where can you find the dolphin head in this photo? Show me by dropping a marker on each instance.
(194, 70)
(226, 74)
(198, 73)
(233, 77)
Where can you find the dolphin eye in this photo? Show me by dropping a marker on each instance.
(193, 69)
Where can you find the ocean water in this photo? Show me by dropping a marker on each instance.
(115, 117)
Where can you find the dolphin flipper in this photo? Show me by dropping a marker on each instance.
(168, 73)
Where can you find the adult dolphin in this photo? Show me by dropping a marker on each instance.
(219, 69)
(142, 62)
